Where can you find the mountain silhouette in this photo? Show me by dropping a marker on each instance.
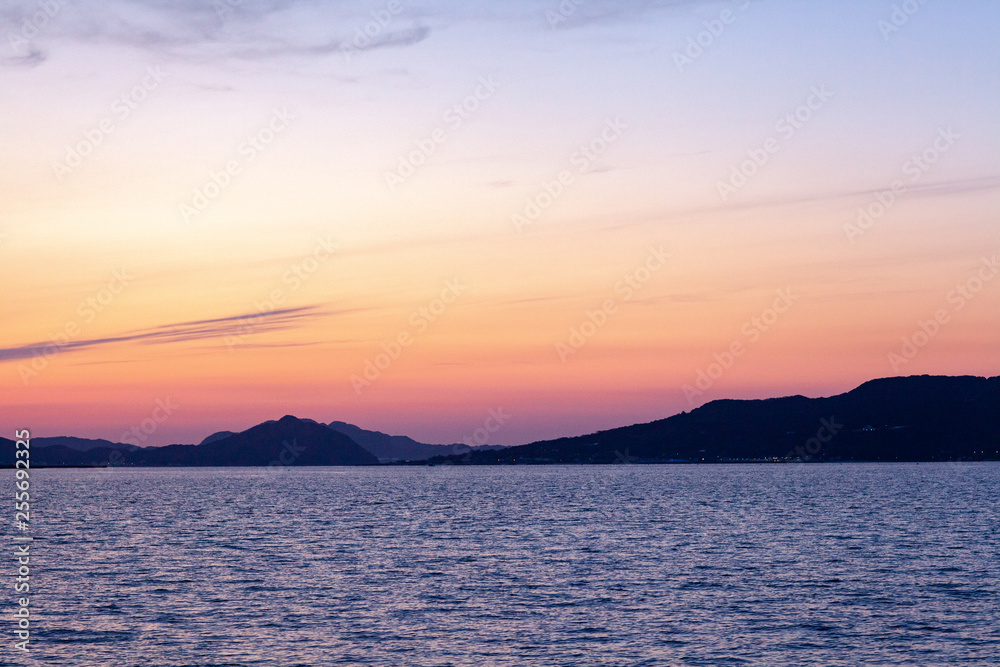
(219, 435)
(389, 448)
(80, 444)
(917, 418)
(286, 442)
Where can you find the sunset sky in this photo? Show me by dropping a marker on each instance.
(403, 214)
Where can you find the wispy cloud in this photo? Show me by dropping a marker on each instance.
(404, 37)
(277, 320)
(933, 189)
(202, 31)
(252, 30)
(588, 12)
(32, 58)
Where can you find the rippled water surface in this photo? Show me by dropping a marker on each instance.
(559, 565)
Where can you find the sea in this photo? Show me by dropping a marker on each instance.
(625, 565)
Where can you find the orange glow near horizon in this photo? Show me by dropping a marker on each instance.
(523, 260)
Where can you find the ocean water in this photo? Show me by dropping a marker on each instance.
(827, 564)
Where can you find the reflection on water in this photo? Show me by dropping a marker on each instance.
(558, 565)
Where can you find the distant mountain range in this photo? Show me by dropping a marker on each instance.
(918, 418)
(308, 443)
(389, 448)
(80, 444)
(287, 441)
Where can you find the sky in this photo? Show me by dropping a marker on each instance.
(407, 214)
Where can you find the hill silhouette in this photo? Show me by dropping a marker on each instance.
(390, 448)
(288, 441)
(917, 418)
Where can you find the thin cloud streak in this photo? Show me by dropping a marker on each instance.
(203, 32)
(275, 320)
(934, 189)
(607, 11)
